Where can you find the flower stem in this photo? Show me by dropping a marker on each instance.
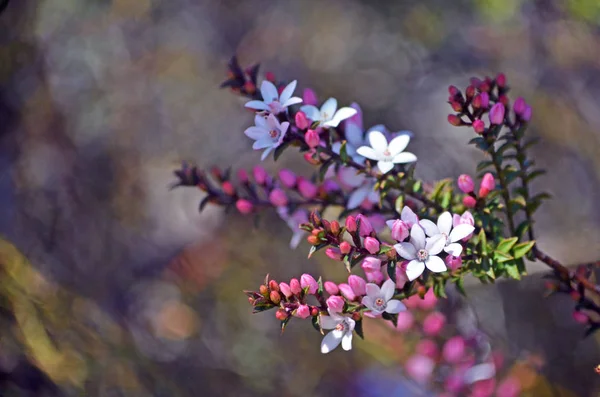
(504, 187)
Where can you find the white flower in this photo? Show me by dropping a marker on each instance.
(294, 221)
(272, 101)
(268, 133)
(380, 300)
(479, 372)
(364, 188)
(386, 154)
(327, 116)
(421, 253)
(443, 227)
(342, 327)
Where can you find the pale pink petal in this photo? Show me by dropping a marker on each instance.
(388, 289)
(331, 341)
(328, 109)
(268, 92)
(444, 223)
(430, 228)
(357, 197)
(378, 141)
(460, 232)
(311, 112)
(435, 244)
(373, 290)
(288, 91)
(354, 135)
(266, 153)
(435, 264)
(263, 143)
(395, 306)
(398, 144)
(256, 133)
(368, 301)
(414, 269)
(292, 101)
(259, 105)
(408, 216)
(406, 250)
(454, 249)
(417, 237)
(347, 341)
(340, 115)
(455, 220)
(328, 322)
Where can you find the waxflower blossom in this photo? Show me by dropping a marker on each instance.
(379, 300)
(268, 133)
(342, 327)
(328, 115)
(354, 136)
(422, 253)
(363, 187)
(444, 230)
(272, 101)
(386, 154)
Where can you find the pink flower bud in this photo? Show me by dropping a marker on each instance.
(351, 224)
(470, 90)
(454, 349)
(228, 188)
(580, 317)
(365, 225)
(242, 176)
(301, 120)
(497, 114)
(331, 288)
(347, 291)
(454, 120)
(312, 138)
(371, 263)
(401, 277)
(244, 206)
(306, 280)
(400, 230)
(469, 202)
(303, 311)
(295, 286)
(333, 253)
(287, 178)
(429, 301)
(309, 97)
(335, 303)
(465, 183)
(260, 175)
(488, 183)
(433, 323)
(456, 106)
(519, 106)
(453, 91)
(419, 368)
(310, 159)
(454, 383)
(485, 100)
(358, 284)
(270, 76)
(483, 388)
(501, 80)
(479, 126)
(427, 348)
(374, 276)
(453, 262)
(510, 387)
(405, 321)
(286, 290)
(412, 302)
(345, 247)
(278, 198)
(306, 188)
(371, 244)
(526, 115)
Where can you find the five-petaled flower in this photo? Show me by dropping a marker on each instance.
(363, 187)
(443, 229)
(379, 300)
(422, 253)
(273, 102)
(342, 327)
(386, 154)
(328, 115)
(268, 133)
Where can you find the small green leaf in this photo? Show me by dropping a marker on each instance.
(439, 288)
(391, 270)
(446, 198)
(262, 307)
(284, 323)
(316, 323)
(390, 317)
(460, 286)
(385, 248)
(359, 329)
(324, 168)
(483, 242)
(484, 165)
(530, 143)
(505, 245)
(521, 249)
(513, 271)
(320, 284)
(399, 204)
(534, 174)
(417, 186)
(343, 153)
(502, 257)
(522, 229)
(315, 248)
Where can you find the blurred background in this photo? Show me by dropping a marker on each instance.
(115, 286)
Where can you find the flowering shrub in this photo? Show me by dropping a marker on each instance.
(410, 238)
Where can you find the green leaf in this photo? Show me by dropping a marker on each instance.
(359, 329)
(460, 286)
(279, 150)
(320, 284)
(534, 174)
(505, 245)
(484, 165)
(521, 249)
(437, 190)
(343, 153)
(390, 317)
(482, 242)
(417, 186)
(284, 323)
(385, 248)
(530, 143)
(315, 248)
(439, 288)
(513, 271)
(446, 198)
(261, 307)
(522, 229)
(391, 270)
(480, 143)
(502, 257)
(316, 323)
(399, 204)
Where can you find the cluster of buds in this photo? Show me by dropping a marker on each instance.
(467, 186)
(241, 81)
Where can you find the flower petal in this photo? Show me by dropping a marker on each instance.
(368, 152)
(328, 322)
(288, 91)
(417, 237)
(444, 223)
(404, 157)
(435, 264)
(387, 289)
(354, 135)
(390, 223)
(454, 249)
(331, 341)
(357, 197)
(261, 121)
(273, 123)
(292, 101)
(296, 239)
(395, 306)
(406, 250)
(256, 133)
(347, 341)
(479, 372)
(414, 269)
(340, 115)
(328, 109)
(408, 216)
(312, 112)
(262, 143)
(430, 228)
(385, 166)
(268, 91)
(460, 232)
(398, 144)
(368, 301)
(435, 244)
(259, 105)
(373, 291)
(266, 153)
(378, 141)
(348, 176)
(455, 220)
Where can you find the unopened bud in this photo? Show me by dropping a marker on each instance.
(334, 227)
(371, 244)
(303, 311)
(310, 159)
(580, 317)
(306, 188)
(295, 286)
(470, 91)
(278, 198)
(365, 227)
(228, 188)
(312, 138)
(281, 314)
(345, 247)
(273, 286)
(244, 206)
(331, 288)
(488, 183)
(275, 297)
(351, 224)
(249, 87)
(501, 80)
(270, 76)
(285, 290)
(264, 291)
(456, 106)
(453, 91)
(313, 240)
(309, 97)
(242, 176)
(315, 218)
(260, 175)
(335, 303)
(356, 316)
(301, 120)
(308, 281)
(314, 311)
(334, 253)
(469, 201)
(479, 126)
(465, 183)
(497, 114)
(454, 120)
(287, 178)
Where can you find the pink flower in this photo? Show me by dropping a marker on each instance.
(479, 126)
(454, 349)
(334, 253)
(469, 202)
(510, 387)
(412, 302)
(286, 290)
(400, 230)
(345, 247)
(309, 97)
(306, 280)
(306, 188)
(429, 301)
(401, 277)
(288, 178)
(347, 291)
(427, 348)
(365, 225)
(331, 288)
(301, 120)
(374, 276)
(260, 175)
(519, 106)
(244, 206)
(303, 311)
(465, 183)
(453, 262)
(488, 183)
(358, 284)
(419, 368)
(312, 138)
(335, 303)
(295, 286)
(433, 323)
(497, 114)
(351, 224)
(405, 320)
(371, 244)
(485, 100)
(278, 198)
(580, 317)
